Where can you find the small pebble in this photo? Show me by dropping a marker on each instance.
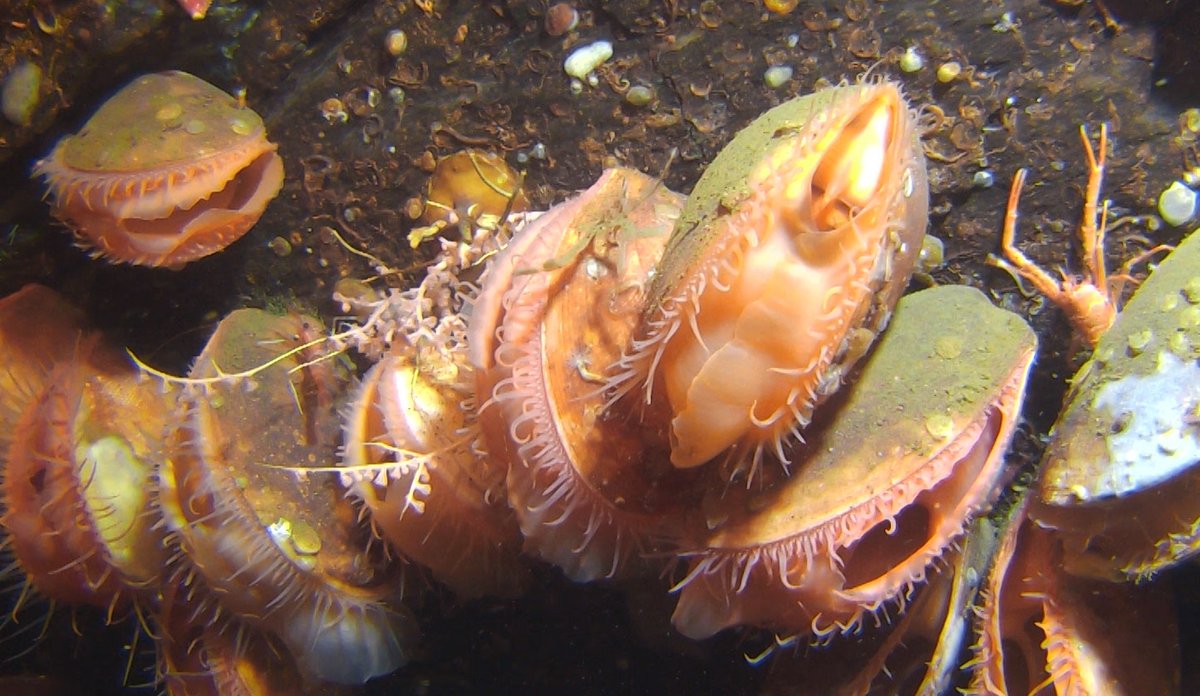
(911, 60)
(1006, 23)
(983, 179)
(1191, 290)
(168, 112)
(334, 110)
(280, 246)
(241, 126)
(932, 255)
(639, 95)
(396, 42)
(1191, 120)
(939, 425)
(21, 91)
(948, 72)
(1139, 341)
(305, 540)
(1177, 204)
(777, 76)
(948, 347)
(585, 59)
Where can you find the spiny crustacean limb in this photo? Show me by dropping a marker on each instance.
(783, 267)
(1090, 302)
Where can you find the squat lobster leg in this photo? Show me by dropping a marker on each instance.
(1089, 302)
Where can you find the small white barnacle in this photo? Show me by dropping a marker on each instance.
(593, 268)
(280, 531)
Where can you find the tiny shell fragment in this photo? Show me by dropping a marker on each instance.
(585, 59)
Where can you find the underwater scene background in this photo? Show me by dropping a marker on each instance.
(416, 347)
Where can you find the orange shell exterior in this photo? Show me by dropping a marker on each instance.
(558, 305)
(1041, 629)
(168, 170)
(196, 9)
(38, 328)
(78, 460)
(441, 505)
(233, 489)
(471, 184)
(200, 657)
(915, 451)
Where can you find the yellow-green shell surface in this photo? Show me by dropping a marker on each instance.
(160, 119)
(939, 368)
(724, 184)
(1132, 418)
(234, 497)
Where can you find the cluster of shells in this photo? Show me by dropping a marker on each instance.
(726, 389)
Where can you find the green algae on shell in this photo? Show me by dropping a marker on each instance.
(161, 119)
(1120, 479)
(877, 494)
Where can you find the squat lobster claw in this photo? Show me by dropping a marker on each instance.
(1090, 302)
